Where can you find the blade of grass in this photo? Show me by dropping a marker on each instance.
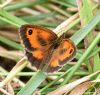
(95, 52)
(20, 5)
(62, 3)
(38, 17)
(11, 43)
(79, 35)
(86, 16)
(11, 18)
(81, 73)
(32, 84)
(51, 83)
(14, 21)
(84, 56)
(7, 21)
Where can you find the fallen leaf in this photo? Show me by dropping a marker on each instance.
(80, 89)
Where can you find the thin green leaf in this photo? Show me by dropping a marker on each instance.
(32, 84)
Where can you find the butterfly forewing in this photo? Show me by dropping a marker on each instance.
(37, 42)
(36, 37)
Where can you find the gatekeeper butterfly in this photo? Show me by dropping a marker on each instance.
(44, 49)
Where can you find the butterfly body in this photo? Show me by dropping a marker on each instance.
(44, 49)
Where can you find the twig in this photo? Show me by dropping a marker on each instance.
(18, 67)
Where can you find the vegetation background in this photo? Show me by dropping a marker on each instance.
(79, 19)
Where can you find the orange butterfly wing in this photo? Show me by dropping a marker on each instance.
(37, 40)
(43, 50)
(62, 54)
(36, 37)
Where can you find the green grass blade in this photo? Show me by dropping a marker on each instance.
(11, 43)
(79, 35)
(84, 56)
(12, 18)
(14, 21)
(86, 16)
(32, 84)
(20, 5)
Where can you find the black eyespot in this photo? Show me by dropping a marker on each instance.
(30, 32)
(71, 51)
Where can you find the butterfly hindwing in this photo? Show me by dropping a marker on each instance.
(39, 58)
(33, 60)
(67, 51)
(62, 54)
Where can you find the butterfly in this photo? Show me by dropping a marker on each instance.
(44, 49)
